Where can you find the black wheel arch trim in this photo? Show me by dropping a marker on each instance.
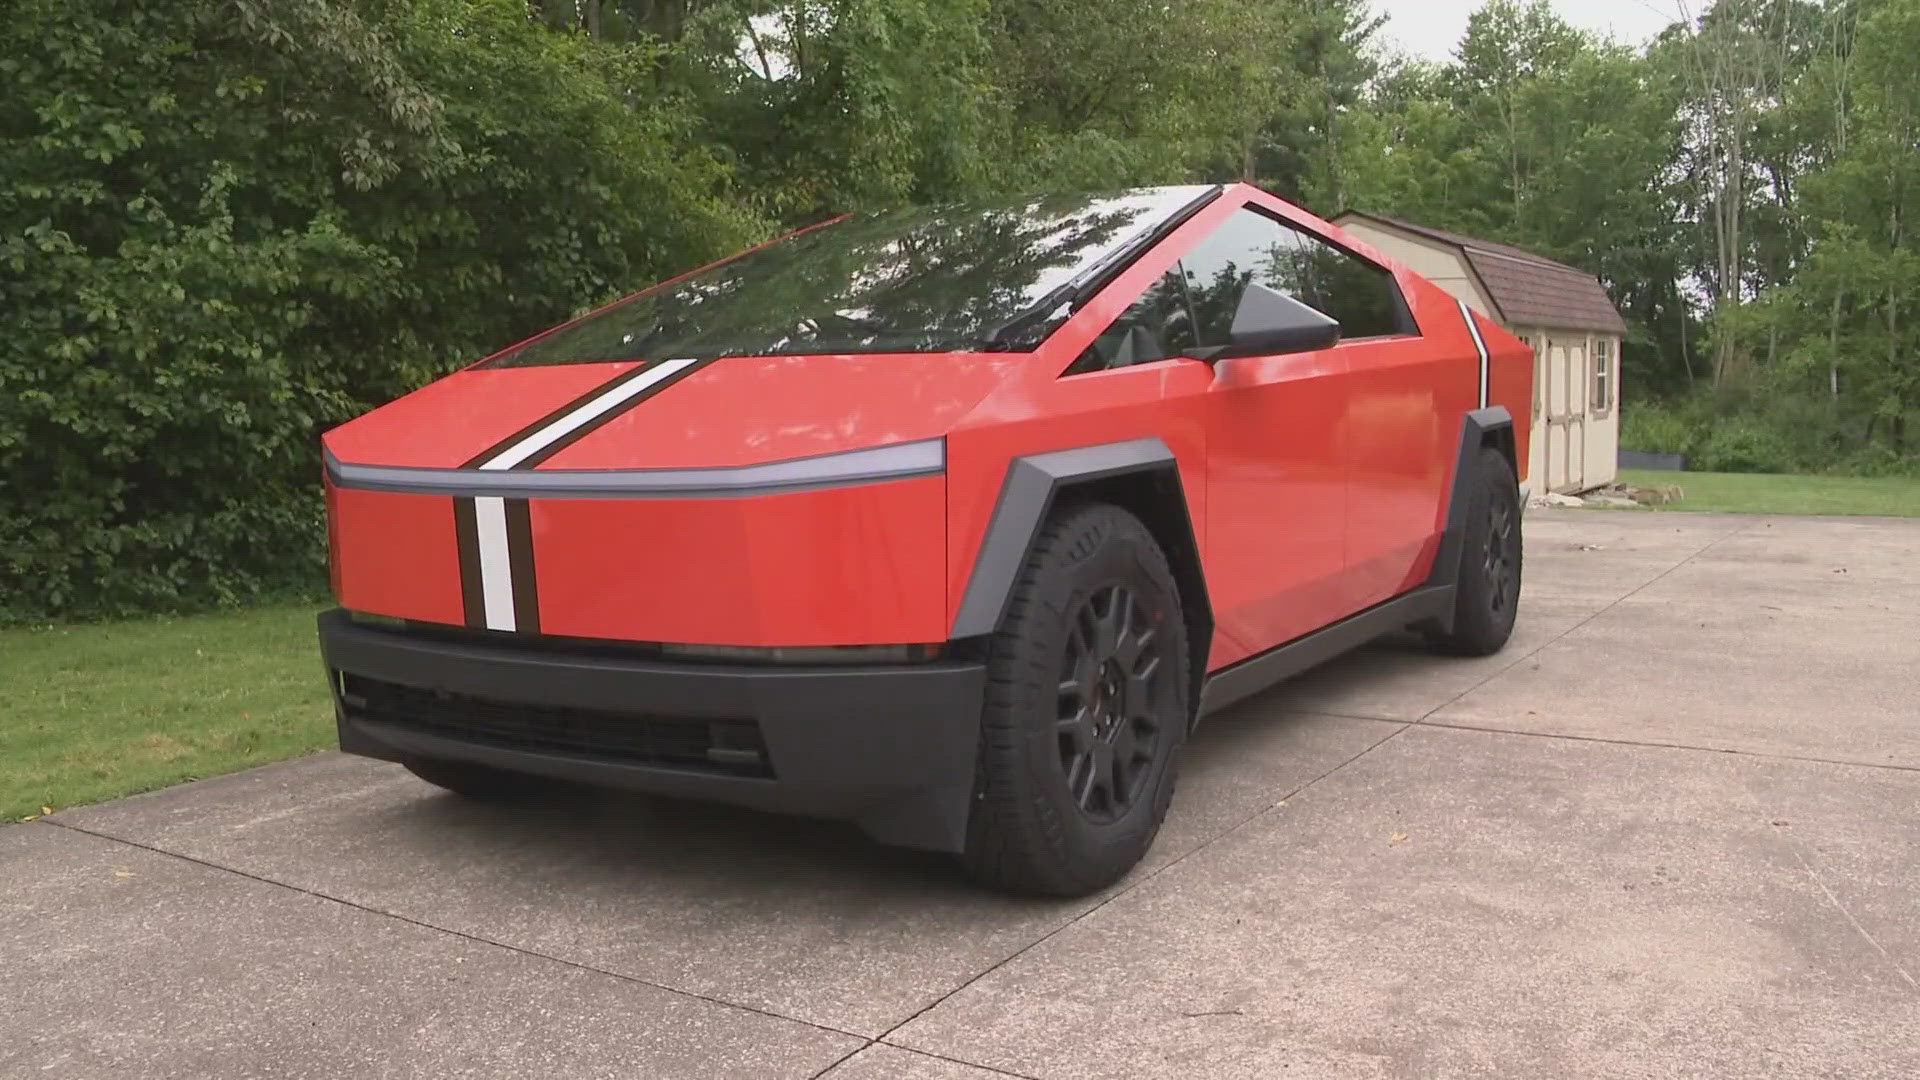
(1491, 426)
(1033, 486)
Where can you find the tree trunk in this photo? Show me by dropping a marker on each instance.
(1833, 348)
(1513, 155)
(1897, 423)
(1733, 194)
(759, 50)
(1336, 196)
(799, 34)
(1686, 349)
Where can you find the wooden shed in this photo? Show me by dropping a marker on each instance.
(1563, 312)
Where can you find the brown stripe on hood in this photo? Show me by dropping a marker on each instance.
(588, 428)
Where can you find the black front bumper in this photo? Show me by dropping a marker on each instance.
(891, 748)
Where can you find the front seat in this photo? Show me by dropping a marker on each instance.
(1139, 346)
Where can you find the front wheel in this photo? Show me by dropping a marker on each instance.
(1487, 594)
(1086, 710)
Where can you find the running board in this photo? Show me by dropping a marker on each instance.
(1235, 684)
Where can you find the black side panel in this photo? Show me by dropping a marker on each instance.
(1251, 676)
(1430, 603)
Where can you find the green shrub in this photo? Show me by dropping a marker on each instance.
(1657, 427)
(227, 226)
(1876, 461)
(1769, 426)
(1742, 445)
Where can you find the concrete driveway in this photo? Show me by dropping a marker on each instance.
(1672, 831)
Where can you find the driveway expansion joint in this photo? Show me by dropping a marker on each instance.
(461, 934)
(886, 1037)
(1642, 744)
(1561, 636)
(857, 1051)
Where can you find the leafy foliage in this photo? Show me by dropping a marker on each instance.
(1744, 187)
(226, 225)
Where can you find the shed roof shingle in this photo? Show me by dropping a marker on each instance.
(1529, 290)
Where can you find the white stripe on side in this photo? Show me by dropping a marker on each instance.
(496, 570)
(1473, 327)
(584, 415)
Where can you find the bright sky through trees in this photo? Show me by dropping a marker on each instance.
(1432, 28)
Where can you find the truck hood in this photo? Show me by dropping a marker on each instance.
(672, 414)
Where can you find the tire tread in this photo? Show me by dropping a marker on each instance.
(1013, 837)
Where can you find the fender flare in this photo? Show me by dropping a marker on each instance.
(1033, 485)
(1491, 426)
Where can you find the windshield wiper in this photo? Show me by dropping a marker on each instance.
(1088, 283)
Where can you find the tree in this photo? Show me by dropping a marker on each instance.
(1549, 139)
(1509, 47)
(1861, 289)
(1738, 55)
(227, 227)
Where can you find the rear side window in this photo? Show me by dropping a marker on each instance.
(1251, 247)
(1193, 306)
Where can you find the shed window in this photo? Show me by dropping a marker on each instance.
(1602, 375)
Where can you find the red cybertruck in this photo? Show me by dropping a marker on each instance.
(951, 522)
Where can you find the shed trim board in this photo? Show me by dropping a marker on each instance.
(1562, 311)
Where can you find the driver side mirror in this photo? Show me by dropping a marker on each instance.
(1271, 323)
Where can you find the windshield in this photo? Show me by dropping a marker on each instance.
(923, 279)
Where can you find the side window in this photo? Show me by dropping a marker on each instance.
(1254, 247)
(1194, 304)
(1158, 326)
(1602, 375)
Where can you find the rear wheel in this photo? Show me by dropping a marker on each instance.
(1487, 595)
(1086, 710)
(479, 782)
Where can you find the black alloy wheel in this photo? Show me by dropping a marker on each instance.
(1487, 594)
(1088, 703)
(1109, 733)
(1501, 563)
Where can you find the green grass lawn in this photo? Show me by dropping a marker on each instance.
(1757, 493)
(95, 712)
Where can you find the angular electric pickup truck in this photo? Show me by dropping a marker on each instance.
(949, 521)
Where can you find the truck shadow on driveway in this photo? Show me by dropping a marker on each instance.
(1236, 764)
(807, 919)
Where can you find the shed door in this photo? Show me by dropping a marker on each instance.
(1566, 414)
